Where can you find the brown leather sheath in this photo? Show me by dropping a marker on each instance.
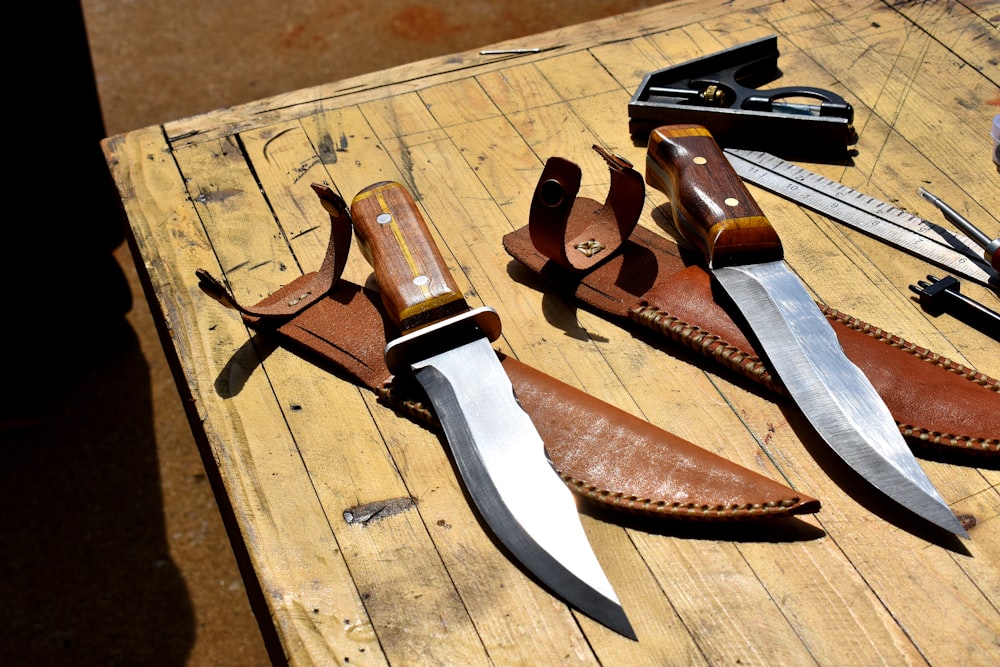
(641, 277)
(602, 453)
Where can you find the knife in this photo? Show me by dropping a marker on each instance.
(715, 212)
(500, 457)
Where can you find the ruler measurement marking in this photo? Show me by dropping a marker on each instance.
(898, 228)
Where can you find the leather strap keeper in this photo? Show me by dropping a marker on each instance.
(645, 280)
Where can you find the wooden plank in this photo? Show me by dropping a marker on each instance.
(900, 72)
(968, 30)
(237, 412)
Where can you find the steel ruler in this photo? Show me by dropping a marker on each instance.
(936, 244)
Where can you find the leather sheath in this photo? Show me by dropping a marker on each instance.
(602, 453)
(644, 279)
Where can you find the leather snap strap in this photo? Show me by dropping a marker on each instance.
(576, 232)
(322, 281)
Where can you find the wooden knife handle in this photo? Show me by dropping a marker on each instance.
(712, 207)
(416, 286)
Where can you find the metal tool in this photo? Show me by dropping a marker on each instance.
(719, 91)
(991, 247)
(508, 52)
(715, 212)
(943, 295)
(499, 455)
(931, 242)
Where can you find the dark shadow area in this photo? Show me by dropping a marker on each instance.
(87, 576)
(87, 573)
(776, 530)
(929, 451)
(247, 358)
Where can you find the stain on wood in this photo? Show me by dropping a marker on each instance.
(365, 514)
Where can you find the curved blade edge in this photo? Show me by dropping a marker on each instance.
(834, 395)
(501, 460)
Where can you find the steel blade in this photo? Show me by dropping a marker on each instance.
(833, 393)
(517, 491)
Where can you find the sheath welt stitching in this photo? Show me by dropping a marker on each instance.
(707, 344)
(923, 353)
(752, 367)
(686, 510)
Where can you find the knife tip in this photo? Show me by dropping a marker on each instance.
(619, 623)
(950, 523)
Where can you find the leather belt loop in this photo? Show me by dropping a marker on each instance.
(321, 282)
(576, 232)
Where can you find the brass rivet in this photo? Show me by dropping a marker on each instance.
(732, 201)
(590, 248)
(299, 298)
(700, 160)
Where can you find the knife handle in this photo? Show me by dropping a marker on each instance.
(416, 286)
(712, 207)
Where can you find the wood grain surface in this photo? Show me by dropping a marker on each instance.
(295, 448)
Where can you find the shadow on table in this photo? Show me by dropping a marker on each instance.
(87, 574)
(87, 577)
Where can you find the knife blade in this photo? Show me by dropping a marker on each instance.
(500, 457)
(715, 212)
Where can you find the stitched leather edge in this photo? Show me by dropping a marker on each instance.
(991, 445)
(878, 333)
(752, 367)
(708, 344)
(681, 510)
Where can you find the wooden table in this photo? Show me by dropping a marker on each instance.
(293, 447)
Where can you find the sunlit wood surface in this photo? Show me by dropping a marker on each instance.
(293, 447)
